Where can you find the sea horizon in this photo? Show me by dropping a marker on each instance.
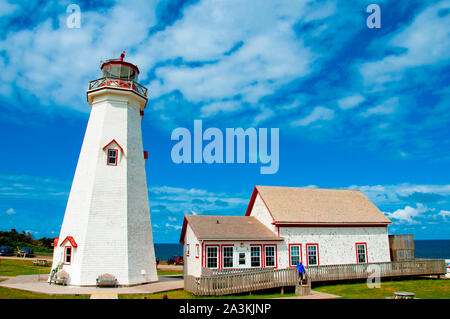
(424, 248)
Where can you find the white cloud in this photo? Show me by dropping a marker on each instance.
(217, 107)
(176, 227)
(351, 101)
(245, 50)
(408, 213)
(10, 211)
(7, 8)
(319, 113)
(445, 214)
(425, 41)
(388, 106)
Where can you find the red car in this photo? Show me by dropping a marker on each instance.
(175, 260)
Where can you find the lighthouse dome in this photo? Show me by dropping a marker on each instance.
(118, 68)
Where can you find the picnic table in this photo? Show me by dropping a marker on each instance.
(41, 262)
(402, 295)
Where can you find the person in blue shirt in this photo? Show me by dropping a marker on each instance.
(301, 270)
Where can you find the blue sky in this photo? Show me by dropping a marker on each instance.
(356, 107)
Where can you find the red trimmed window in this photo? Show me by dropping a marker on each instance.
(112, 157)
(255, 256)
(312, 254)
(270, 255)
(187, 250)
(197, 247)
(361, 253)
(67, 255)
(212, 257)
(227, 256)
(295, 254)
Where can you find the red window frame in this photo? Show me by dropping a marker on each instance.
(217, 257)
(222, 263)
(261, 259)
(300, 252)
(274, 256)
(108, 156)
(187, 250)
(365, 253)
(317, 252)
(197, 254)
(65, 255)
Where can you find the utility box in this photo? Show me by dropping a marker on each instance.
(401, 247)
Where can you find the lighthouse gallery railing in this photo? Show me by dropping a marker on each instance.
(118, 84)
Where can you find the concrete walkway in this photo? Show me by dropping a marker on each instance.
(104, 296)
(31, 283)
(314, 295)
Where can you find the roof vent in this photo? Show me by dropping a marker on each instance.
(217, 222)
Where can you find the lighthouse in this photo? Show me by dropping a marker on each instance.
(106, 229)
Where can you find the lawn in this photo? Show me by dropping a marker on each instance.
(167, 272)
(16, 267)
(182, 294)
(423, 288)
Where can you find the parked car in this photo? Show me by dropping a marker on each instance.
(6, 251)
(25, 251)
(175, 260)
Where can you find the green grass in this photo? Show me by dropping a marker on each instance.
(422, 288)
(16, 267)
(165, 272)
(182, 294)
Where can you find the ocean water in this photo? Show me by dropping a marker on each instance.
(439, 249)
(424, 249)
(167, 251)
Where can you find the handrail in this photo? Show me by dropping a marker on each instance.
(231, 281)
(118, 83)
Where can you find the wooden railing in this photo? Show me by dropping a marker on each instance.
(388, 269)
(232, 281)
(118, 83)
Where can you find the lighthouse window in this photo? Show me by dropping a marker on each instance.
(112, 157)
(67, 255)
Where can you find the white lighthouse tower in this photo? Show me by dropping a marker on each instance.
(106, 227)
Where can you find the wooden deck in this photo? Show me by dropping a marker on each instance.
(223, 282)
(237, 282)
(414, 267)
